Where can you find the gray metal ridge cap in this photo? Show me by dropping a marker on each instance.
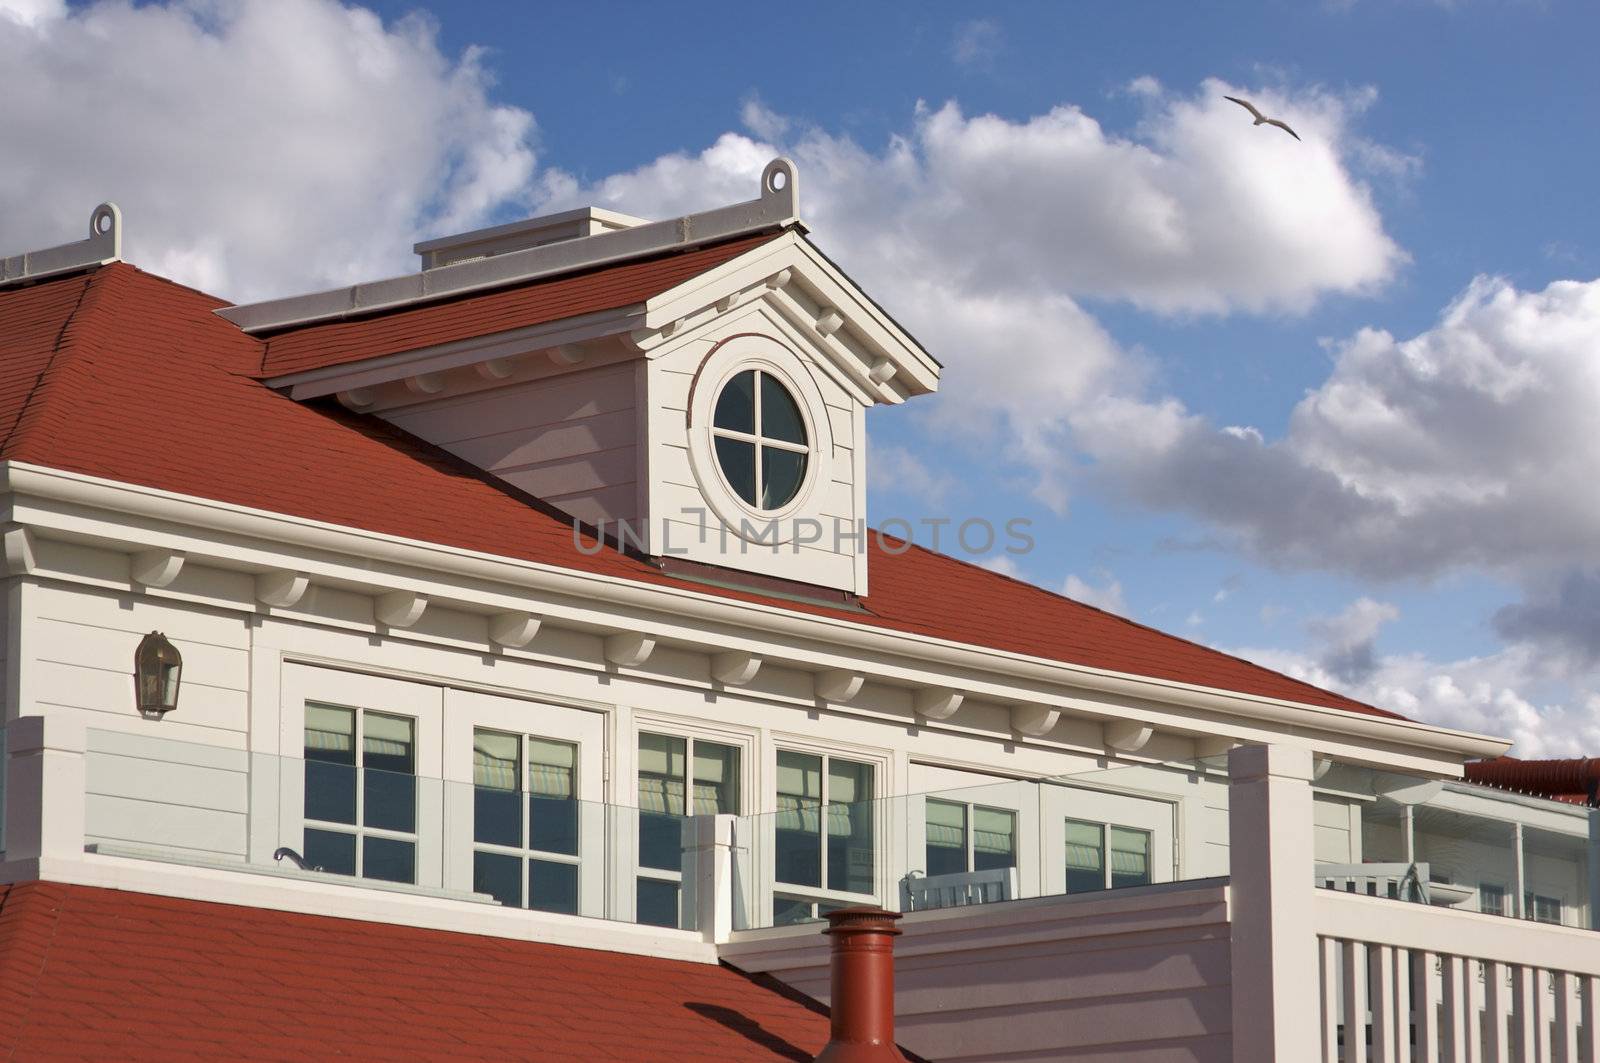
(103, 246)
(776, 207)
(612, 217)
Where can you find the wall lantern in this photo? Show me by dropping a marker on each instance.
(157, 665)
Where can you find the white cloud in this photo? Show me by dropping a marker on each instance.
(1106, 594)
(896, 470)
(977, 43)
(255, 147)
(1492, 694)
(1461, 447)
(1349, 638)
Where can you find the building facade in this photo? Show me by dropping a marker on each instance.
(530, 596)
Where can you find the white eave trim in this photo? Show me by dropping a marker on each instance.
(825, 641)
(775, 208)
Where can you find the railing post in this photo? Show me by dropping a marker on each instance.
(1276, 1015)
(1594, 869)
(44, 779)
(708, 875)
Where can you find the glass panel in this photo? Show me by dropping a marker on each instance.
(716, 779)
(787, 911)
(553, 887)
(782, 473)
(662, 762)
(799, 829)
(553, 826)
(496, 798)
(552, 768)
(330, 851)
(1130, 857)
(994, 839)
(736, 406)
(330, 766)
(388, 859)
(850, 812)
(552, 785)
(388, 754)
(780, 416)
(498, 875)
(738, 462)
(656, 903)
(946, 838)
(1086, 869)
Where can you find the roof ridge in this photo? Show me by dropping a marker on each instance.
(1134, 623)
(40, 389)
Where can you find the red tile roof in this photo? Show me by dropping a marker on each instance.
(91, 973)
(122, 375)
(479, 314)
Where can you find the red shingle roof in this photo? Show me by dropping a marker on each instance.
(123, 375)
(91, 973)
(479, 314)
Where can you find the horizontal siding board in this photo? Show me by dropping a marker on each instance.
(102, 691)
(121, 819)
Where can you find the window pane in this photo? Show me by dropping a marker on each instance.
(388, 743)
(782, 473)
(553, 887)
(738, 462)
(498, 875)
(994, 839)
(389, 860)
(1086, 871)
(1130, 857)
(330, 851)
(1492, 899)
(850, 811)
(553, 825)
(661, 774)
(552, 768)
(780, 416)
(946, 838)
(716, 779)
(496, 796)
(736, 406)
(786, 911)
(330, 734)
(330, 766)
(799, 827)
(656, 903)
(391, 800)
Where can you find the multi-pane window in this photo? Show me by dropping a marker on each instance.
(678, 777)
(760, 439)
(1491, 899)
(1103, 856)
(961, 837)
(824, 831)
(1541, 909)
(361, 793)
(525, 820)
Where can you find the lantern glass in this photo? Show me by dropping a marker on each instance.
(157, 670)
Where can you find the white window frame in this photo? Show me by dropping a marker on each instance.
(625, 838)
(421, 702)
(772, 889)
(1106, 827)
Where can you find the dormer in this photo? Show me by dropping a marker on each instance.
(697, 388)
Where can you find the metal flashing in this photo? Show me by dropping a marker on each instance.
(103, 245)
(776, 207)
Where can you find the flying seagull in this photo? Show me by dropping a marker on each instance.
(1262, 119)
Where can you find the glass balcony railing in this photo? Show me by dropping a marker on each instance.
(1007, 840)
(1457, 845)
(385, 829)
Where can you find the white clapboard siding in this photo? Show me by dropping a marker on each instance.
(570, 440)
(1134, 974)
(154, 792)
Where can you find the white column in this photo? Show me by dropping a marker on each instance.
(44, 779)
(1594, 869)
(1275, 1008)
(708, 875)
(1520, 902)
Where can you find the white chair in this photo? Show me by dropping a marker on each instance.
(919, 892)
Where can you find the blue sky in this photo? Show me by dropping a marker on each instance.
(1020, 160)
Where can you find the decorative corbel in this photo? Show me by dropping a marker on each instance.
(399, 608)
(734, 668)
(1127, 736)
(936, 703)
(513, 630)
(838, 685)
(155, 568)
(281, 588)
(1034, 720)
(629, 649)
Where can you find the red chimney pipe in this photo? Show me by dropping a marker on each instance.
(862, 992)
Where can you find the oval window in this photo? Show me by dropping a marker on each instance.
(760, 439)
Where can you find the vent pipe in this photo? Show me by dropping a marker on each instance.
(862, 989)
